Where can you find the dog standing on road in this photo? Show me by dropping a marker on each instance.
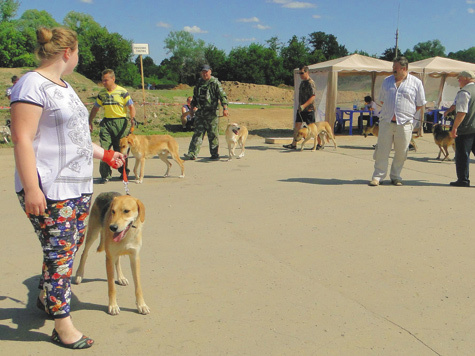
(148, 146)
(236, 134)
(320, 128)
(443, 139)
(119, 220)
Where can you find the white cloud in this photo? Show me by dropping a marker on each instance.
(262, 27)
(163, 24)
(316, 16)
(194, 29)
(87, 1)
(253, 39)
(252, 19)
(471, 11)
(299, 5)
(470, 1)
(290, 4)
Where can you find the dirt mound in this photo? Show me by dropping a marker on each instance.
(182, 87)
(255, 93)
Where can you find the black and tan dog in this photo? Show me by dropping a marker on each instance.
(119, 220)
(443, 139)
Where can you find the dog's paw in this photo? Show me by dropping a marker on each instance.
(143, 309)
(123, 281)
(78, 280)
(114, 309)
(241, 155)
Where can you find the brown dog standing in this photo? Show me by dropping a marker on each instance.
(119, 220)
(148, 146)
(314, 130)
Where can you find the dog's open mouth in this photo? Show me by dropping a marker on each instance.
(236, 131)
(118, 236)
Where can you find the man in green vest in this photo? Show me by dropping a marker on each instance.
(463, 129)
(115, 100)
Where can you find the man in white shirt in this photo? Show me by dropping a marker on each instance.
(401, 96)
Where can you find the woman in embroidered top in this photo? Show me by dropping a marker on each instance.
(53, 179)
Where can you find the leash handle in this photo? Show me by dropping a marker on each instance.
(125, 180)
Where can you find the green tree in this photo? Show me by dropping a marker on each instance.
(150, 69)
(127, 74)
(217, 59)
(29, 22)
(8, 9)
(99, 49)
(188, 55)
(327, 44)
(294, 55)
(254, 64)
(466, 55)
(12, 47)
(388, 54)
(423, 50)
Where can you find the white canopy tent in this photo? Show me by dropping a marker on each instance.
(439, 76)
(326, 76)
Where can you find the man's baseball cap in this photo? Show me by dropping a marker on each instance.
(205, 67)
(467, 74)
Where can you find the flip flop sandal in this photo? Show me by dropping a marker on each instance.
(83, 343)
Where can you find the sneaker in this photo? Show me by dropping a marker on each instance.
(374, 183)
(104, 180)
(290, 146)
(396, 182)
(458, 183)
(189, 156)
(215, 157)
(320, 147)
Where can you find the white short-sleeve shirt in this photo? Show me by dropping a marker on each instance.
(62, 144)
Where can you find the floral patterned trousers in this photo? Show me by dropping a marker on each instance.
(61, 232)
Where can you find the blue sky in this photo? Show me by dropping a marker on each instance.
(368, 25)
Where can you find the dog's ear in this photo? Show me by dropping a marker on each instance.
(130, 139)
(141, 210)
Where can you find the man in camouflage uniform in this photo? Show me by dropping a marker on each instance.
(207, 94)
(306, 109)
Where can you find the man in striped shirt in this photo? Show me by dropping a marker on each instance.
(401, 96)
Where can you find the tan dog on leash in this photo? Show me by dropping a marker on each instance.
(236, 134)
(148, 146)
(321, 128)
(119, 220)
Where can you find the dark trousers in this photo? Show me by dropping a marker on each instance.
(464, 144)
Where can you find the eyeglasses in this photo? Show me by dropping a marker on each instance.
(301, 73)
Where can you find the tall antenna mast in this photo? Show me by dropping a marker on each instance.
(397, 31)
